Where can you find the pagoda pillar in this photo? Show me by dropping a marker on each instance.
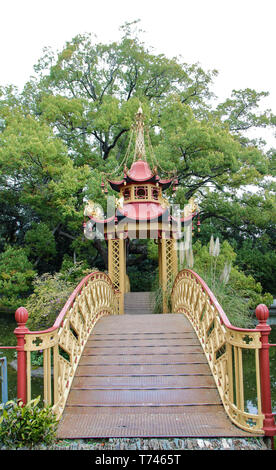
(160, 262)
(168, 262)
(117, 267)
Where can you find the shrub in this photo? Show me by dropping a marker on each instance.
(237, 293)
(26, 426)
(157, 295)
(51, 291)
(49, 296)
(74, 272)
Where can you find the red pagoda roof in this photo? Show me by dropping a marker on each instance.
(142, 211)
(140, 171)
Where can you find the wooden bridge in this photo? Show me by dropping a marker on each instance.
(144, 374)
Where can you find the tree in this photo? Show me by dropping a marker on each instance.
(39, 184)
(72, 121)
(16, 275)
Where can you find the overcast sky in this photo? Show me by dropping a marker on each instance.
(235, 37)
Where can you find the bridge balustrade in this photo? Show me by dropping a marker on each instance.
(224, 345)
(63, 343)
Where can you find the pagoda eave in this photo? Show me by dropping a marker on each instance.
(161, 216)
(142, 211)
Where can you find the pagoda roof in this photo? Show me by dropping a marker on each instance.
(140, 172)
(142, 211)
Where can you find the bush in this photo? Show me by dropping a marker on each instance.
(51, 291)
(237, 293)
(74, 272)
(49, 296)
(157, 295)
(26, 426)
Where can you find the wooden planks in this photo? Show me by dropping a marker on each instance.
(144, 375)
(139, 303)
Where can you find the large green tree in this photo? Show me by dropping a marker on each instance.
(72, 122)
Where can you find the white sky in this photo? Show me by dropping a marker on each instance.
(235, 37)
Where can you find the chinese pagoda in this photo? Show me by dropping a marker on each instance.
(141, 211)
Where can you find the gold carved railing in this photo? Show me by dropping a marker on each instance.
(63, 343)
(223, 345)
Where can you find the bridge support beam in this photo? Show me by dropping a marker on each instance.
(117, 267)
(168, 266)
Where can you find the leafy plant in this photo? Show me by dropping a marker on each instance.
(237, 293)
(74, 272)
(158, 293)
(51, 291)
(26, 426)
(37, 358)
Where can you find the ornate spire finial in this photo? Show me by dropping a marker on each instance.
(140, 151)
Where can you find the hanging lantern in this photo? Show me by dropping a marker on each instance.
(102, 185)
(198, 224)
(175, 185)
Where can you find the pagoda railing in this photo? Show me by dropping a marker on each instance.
(224, 345)
(63, 343)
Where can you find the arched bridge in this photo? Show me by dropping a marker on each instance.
(145, 374)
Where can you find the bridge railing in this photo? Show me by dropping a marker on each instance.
(63, 343)
(224, 345)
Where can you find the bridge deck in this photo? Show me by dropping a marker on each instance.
(146, 376)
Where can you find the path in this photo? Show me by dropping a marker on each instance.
(144, 375)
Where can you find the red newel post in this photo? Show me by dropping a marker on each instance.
(262, 314)
(21, 317)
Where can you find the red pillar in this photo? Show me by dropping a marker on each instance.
(262, 314)
(21, 317)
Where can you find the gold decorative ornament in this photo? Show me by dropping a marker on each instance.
(93, 210)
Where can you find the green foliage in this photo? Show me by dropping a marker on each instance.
(158, 293)
(237, 293)
(26, 426)
(37, 358)
(157, 297)
(73, 273)
(239, 111)
(49, 296)
(50, 293)
(141, 281)
(258, 260)
(152, 250)
(72, 121)
(16, 275)
(40, 241)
